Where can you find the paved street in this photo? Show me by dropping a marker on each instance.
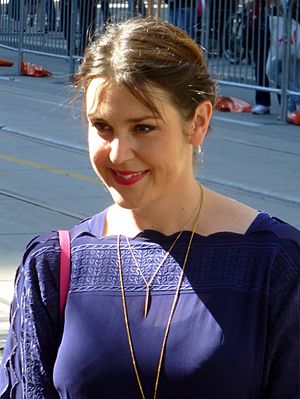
(46, 181)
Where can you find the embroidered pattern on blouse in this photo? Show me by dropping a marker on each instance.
(95, 268)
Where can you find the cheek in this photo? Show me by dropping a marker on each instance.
(97, 149)
(95, 158)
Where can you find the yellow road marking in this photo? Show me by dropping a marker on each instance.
(37, 165)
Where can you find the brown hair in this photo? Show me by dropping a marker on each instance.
(140, 53)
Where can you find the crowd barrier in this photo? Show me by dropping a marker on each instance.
(248, 44)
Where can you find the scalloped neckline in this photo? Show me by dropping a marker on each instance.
(147, 233)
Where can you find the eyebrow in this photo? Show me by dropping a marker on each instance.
(95, 116)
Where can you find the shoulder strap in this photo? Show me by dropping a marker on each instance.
(65, 266)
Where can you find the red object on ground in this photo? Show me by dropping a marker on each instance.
(294, 117)
(6, 63)
(34, 70)
(232, 104)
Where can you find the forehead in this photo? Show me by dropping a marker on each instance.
(108, 96)
(94, 94)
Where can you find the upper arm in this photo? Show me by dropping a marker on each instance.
(33, 338)
(282, 362)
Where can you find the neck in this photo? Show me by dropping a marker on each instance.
(176, 212)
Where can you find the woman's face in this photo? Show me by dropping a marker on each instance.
(140, 159)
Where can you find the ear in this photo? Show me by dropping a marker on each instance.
(200, 123)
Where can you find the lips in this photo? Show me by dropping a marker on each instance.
(127, 177)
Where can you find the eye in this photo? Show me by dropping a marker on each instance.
(102, 127)
(144, 128)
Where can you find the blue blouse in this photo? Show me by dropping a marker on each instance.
(235, 333)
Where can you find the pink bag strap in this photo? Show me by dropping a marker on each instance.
(65, 267)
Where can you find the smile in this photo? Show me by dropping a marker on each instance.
(128, 177)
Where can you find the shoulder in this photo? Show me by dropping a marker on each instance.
(282, 241)
(41, 252)
(285, 239)
(224, 214)
(41, 259)
(260, 233)
(276, 232)
(49, 242)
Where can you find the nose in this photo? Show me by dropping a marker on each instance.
(120, 150)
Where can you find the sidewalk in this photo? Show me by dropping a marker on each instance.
(44, 164)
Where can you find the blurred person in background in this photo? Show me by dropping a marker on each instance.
(183, 13)
(275, 58)
(87, 12)
(33, 13)
(261, 46)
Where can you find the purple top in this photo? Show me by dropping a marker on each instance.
(235, 332)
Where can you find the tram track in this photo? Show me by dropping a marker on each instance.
(46, 141)
(42, 204)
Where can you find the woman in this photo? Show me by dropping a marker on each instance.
(176, 291)
(275, 63)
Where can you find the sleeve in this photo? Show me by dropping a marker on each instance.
(33, 338)
(282, 363)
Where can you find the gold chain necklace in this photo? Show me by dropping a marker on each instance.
(148, 283)
(171, 311)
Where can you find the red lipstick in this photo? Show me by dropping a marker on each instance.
(127, 178)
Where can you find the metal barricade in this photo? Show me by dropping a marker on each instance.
(245, 49)
(238, 35)
(62, 28)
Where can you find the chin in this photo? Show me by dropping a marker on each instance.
(126, 202)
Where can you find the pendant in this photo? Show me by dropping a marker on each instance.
(146, 308)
